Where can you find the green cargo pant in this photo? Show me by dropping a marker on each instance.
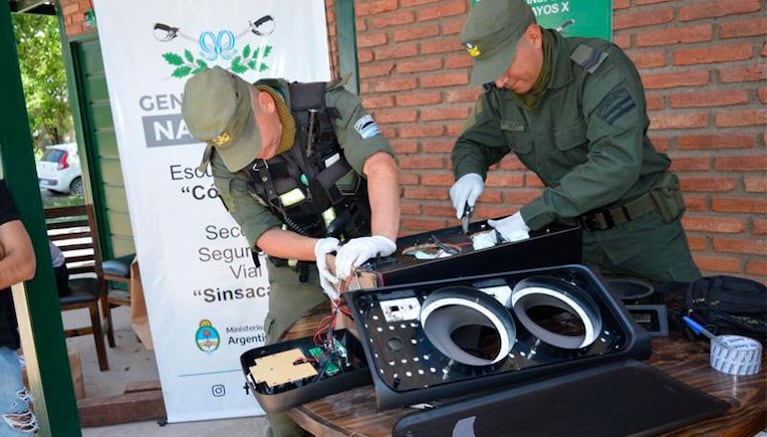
(646, 248)
(289, 299)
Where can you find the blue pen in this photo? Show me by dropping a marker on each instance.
(698, 329)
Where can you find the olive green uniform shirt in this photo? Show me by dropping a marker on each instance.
(288, 297)
(586, 139)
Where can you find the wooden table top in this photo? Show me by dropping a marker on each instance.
(353, 412)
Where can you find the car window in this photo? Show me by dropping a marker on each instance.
(52, 155)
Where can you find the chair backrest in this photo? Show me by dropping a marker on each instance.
(72, 229)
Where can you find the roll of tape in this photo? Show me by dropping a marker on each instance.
(743, 357)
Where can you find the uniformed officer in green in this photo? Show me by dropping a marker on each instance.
(573, 111)
(302, 168)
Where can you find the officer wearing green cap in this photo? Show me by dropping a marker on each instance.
(573, 111)
(305, 171)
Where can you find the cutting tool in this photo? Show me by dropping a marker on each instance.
(465, 219)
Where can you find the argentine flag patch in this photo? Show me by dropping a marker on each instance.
(366, 127)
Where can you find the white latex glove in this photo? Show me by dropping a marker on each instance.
(466, 190)
(358, 250)
(511, 228)
(327, 280)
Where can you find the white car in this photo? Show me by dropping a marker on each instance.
(59, 169)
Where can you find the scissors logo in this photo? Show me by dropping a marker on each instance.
(221, 44)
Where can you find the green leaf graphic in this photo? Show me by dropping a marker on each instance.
(246, 51)
(267, 51)
(202, 64)
(252, 64)
(173, 59)
(182, 72)
(263, 67)
(188, 55)
(255, 54)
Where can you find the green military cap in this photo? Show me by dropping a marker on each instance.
(217, 110)
(491, 34)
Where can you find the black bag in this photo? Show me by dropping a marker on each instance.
(728, 305)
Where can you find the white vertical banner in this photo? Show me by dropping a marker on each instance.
(205, 298)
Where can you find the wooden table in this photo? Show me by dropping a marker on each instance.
(353, 413)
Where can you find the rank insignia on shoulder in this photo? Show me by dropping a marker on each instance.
(588, 57)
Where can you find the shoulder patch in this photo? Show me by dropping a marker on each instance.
(588, 57)
(339, 82)
(615, 105)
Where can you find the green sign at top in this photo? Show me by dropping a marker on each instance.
(590, 18)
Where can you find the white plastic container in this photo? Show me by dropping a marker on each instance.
(744, 357)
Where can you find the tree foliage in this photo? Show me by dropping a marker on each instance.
(43, 76)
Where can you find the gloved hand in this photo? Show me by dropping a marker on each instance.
(358, 250)
(511, 228)
(466, 190)
(327, 280)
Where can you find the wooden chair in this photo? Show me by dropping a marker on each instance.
(73, 230)
(117, 270)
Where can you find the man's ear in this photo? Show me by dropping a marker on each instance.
(534, 35)
(265, 102)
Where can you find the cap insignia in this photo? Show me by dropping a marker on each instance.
(221, 140)
(473, 50)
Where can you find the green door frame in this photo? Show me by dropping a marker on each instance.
(36, 301)
(346, 32)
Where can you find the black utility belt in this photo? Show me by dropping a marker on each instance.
(608, 218)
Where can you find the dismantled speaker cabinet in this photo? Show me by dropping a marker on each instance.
(439, 339)
(290, 373)
(548, 247)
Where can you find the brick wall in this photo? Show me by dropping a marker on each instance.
(703, 66)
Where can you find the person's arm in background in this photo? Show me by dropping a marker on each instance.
(383, 191)
(17, 261)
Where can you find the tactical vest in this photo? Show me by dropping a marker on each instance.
(311, 187)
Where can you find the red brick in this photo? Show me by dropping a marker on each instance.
(533, 181)
(443, 80)
(732, 245)
(374, 8)
(762, 95)
(376, 70)
(418, 99)
(660, 143)
(759, 226)
(697, 243)
(458, 61)
(445, 9)
(695, 203)
(674, 79)
(446, 211)
(364, 56)
(419, 32)
(755, 184)
(419, 65)
(718, 264)
(398, 52)
(409, 207)
(741, 118)
(709, 184)
(711, 54)
(741, 163)
(678, 121)
(741, 28)
(717, 8)
(420, 131)
(758, 206)
(376, 101)
(674, 35)
(649, 59)
(417, 225)
(690, 164)
(654, 102)
(498, 179)
(455, 128)
(622, 40)
(404, 146)
(452, 27)
(441, 179)
(434, 114)
(421, 162)
(396, 116)
(757, 267)
(444, 146)
(715, 141)
(709, 98)
(717, 225)
(372, 39)
(626, 20)
(464, 95)
(426, 193)
(648, 2)
(444, 45)
(521, 197)
(387, 85)
(748, 73)
(621, 4)
(408, 3)
(393, 19)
